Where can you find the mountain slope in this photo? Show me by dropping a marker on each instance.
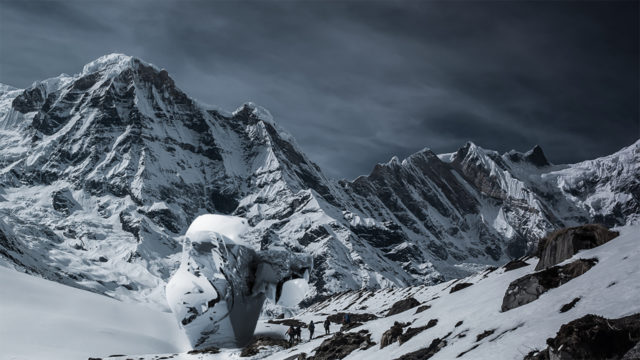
(103, 171)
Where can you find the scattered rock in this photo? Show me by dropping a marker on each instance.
(301, 356)
(563, 244)
(514, 264)
(459, 323)
(209, 350)
(403, 305)
(459, 286)
(362, 318)
(288, 322)
(349, 326)
(569, 306)
(484, 334)
(592, 337)
(425, 353)
(257, 342)
(411, 332)
(529, 287)
(342, 344)
(391, 335)
(422, 308)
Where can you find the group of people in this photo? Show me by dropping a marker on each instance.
(295, 332)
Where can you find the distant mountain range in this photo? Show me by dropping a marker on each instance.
(102, 172)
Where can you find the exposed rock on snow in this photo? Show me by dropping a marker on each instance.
(402, 306)
(563, 244)
(218, 291)
(459, 286)
(342, 344)
(593, 337)
(529, 288)
(390, 336)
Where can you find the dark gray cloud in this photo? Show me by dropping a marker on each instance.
(358, 82)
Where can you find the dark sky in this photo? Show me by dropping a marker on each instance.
(357, 82)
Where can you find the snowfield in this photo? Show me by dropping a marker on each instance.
(67, 323)
(41, 319)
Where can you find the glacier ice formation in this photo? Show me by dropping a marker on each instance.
(222, 282)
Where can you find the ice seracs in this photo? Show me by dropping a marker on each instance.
(218, 291)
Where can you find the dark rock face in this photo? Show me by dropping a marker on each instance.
(390, 336)
(514, 264)
(484, 334)
(568, 306)
(338, 318)
(460, 286)
(536, 157)
(342, 344)
(528, 288)
(411, 332)
(403, 305)
(593, 337)
(563, 244)
(63, 202)
(426, 353)
(422, 308)
(256, 344)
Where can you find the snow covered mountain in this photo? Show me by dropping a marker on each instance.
(102, 172)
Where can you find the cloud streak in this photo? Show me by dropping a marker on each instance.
(357, 83)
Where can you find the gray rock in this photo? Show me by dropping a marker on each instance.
(563, 244)
(528, 288)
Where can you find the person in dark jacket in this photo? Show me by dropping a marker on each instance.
(298, 333)
(311, 328)
(291, 333)
(327, 324)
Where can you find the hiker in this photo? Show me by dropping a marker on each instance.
(327, 323)
(298, 333)
(346, 318)
(311, 328)
(291, 333)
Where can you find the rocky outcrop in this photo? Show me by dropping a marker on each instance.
(529, 287)
(413, 331)
(259, 342)
(460, 286)
(425, 353)
(342, 344)
(402, 306)
(593, 337)
(563, 244)
(390, 336)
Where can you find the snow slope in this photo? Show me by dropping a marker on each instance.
(610, 289)
(41, 319)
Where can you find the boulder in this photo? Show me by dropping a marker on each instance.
(460, 286)
(425, 353)
(341, 345)
(403, 305)
(529, 287)
(593, 337)
(390, 336)
(411, 332)
(563, 244)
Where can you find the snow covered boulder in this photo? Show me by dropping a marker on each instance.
(218, 291)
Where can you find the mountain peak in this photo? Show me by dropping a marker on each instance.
(115, 63)
(536, 157)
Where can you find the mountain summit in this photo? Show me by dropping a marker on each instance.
(103, 171)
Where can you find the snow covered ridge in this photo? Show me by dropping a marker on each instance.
(103, 171)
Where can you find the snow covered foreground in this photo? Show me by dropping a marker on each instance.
(65, 323)
(41, 319)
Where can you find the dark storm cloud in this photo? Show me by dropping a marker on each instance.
(359, 82)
